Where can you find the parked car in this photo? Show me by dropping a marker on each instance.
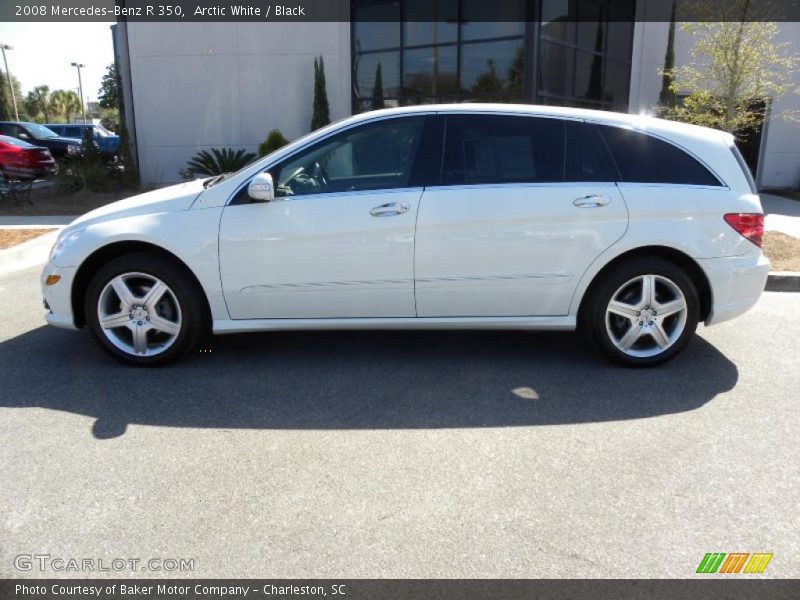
(39, 135)
(107, 141)
(455, 216)
(21, 160)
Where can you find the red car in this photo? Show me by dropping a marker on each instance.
(21, 160)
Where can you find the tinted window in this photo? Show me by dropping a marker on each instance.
(642, 158)
(500, 149)
(370, 157)
(586, 158)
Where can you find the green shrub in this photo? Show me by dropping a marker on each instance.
(216, 162)
(89, 171)
(274, 141)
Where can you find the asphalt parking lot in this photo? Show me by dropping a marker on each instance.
(374, 454)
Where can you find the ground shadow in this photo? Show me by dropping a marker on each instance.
(779, 205)
(356, 380)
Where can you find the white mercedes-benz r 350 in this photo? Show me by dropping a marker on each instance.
(464, 216)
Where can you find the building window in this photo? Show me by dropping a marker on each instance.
(436, 51)
(585, 53)
(429, 51)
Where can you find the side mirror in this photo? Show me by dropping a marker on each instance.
(261, 188)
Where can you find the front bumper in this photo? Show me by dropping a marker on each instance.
(58, 297)
(736, 284)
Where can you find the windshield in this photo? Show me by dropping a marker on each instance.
(40, 131)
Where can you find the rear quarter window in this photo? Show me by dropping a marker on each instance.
(642, 158)
(496, 149)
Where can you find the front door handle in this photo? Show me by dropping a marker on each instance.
(591, 201)
(390, 210)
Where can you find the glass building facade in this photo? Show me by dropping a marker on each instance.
(562, 52)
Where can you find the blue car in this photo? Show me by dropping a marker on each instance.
(107, 141)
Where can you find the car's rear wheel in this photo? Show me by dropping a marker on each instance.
(144, 309)
(643, 312)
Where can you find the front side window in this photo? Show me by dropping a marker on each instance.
(375, 156)
(490, 149)
(642, 158)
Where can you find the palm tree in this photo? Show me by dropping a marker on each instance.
(38, 101)
(218, 161)
(56, 103)
(72, 104)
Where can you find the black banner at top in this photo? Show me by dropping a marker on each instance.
(451, 11)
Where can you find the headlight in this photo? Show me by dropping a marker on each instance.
(73, 149)
(63, 242)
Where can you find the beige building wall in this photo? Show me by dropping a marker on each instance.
(210, 85)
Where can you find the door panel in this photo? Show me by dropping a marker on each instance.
(320, 256)
(513, 249)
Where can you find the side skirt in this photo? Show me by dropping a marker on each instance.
(559, 323)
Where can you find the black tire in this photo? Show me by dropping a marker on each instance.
(193, 310)
(593, 312)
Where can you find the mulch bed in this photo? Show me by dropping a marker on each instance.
(12, 237)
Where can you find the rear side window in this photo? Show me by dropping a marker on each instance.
(642, 158)
(481, 149)
(586, 156)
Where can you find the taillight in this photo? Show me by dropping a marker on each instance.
(749, 225)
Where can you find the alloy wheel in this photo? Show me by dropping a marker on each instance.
(139, 314)
(646, 315)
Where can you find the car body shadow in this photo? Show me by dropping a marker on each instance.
(356, 380)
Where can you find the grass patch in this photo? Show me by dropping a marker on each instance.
(12, 237)
(782, 250)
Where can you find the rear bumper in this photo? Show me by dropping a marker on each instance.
(736, 284)
(58, 297)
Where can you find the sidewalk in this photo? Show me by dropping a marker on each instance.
(782, 214)
(40, 222)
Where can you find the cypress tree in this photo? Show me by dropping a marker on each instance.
(377, 90)
(321, 114)
(667, 96)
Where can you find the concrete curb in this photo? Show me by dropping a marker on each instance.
(28, 254)
(783, 281)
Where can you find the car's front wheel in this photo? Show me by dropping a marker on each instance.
(643, 312)
(144, 309)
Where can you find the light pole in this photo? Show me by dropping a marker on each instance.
(8, 76)
(80, 87)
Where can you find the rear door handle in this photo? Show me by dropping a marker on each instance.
(390, 210)
(591, 201)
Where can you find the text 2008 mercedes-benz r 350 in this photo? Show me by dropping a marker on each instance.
(466, 216)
